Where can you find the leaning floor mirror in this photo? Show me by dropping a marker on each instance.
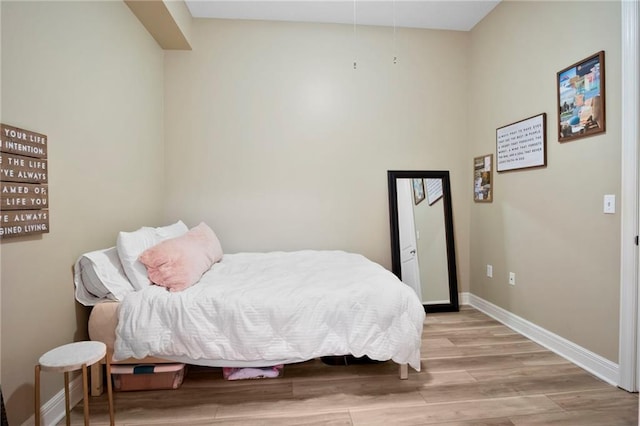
(423, 253)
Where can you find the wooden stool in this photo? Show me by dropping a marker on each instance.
(72, 357)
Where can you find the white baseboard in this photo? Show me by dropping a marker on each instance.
(53, 410)
(593, 363)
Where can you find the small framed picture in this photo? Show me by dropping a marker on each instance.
(418, 190)
(581, 99)
(483, 179)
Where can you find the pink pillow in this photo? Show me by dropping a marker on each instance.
(178, 263)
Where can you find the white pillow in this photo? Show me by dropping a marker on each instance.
(131, 245)
(98, 275)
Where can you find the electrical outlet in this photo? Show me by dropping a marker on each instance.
(512, 278)
(490, 271)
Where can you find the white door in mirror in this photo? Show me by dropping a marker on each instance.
(409, 267)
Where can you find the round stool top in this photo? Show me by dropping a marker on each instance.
(70, 357)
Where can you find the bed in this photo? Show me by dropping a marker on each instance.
(249, 309)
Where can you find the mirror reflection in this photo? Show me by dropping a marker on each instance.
(422, 236)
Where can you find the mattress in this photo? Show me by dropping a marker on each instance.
(102, 323)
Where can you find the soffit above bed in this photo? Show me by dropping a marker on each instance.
(168, 22)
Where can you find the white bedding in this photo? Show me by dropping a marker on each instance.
(276, 306)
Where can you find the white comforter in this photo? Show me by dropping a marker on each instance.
(277, 306)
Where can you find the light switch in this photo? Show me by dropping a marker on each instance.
(609, 203)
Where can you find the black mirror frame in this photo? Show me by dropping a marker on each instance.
(392, 175)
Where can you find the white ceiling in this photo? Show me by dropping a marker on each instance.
(460, 15)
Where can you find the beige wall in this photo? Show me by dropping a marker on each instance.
(90, 77)
(547, 225)
(279, 144)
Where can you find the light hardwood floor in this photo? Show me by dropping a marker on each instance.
(475, 371)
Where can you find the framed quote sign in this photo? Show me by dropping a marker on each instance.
(24, 182)
(581, 99)
(522, 145)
